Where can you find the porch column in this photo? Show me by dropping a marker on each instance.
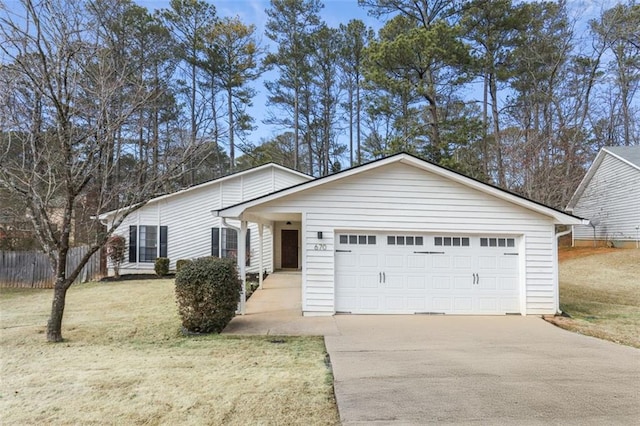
(261, 254)
(242, 263)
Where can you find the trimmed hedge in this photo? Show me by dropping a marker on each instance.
(161, 266)
(182, 263)
(207, 293)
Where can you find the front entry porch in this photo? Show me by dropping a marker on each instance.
(276, 309)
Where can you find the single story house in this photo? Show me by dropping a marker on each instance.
(401, 235)
(609, 196)
(180, 225)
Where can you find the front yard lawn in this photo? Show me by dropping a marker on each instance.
(124, 361)
(600, 290)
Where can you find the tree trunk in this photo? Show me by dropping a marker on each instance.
(359, 156)
(232, 151)
(54, 325)
(497, 137)
(350, 125)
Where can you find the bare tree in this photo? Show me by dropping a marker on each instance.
(59, 87)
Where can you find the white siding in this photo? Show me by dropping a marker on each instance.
(611, 197)
(189, 220)
(401, 197)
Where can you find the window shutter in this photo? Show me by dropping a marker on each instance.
(163, 241)
(133, 244)
(248, 244)
(215, 242)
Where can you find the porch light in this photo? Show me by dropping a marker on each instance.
(319, 235)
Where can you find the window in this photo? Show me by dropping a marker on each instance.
(361, 240)
(144, 245)
(225, 244)
(404, 240)
(497, 242)
(452, 241)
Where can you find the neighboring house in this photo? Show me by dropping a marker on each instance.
(181, 225)
(609, 196)
(402, 236)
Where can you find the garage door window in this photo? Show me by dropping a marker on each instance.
(451, 241)
(497, 242)
(357, 239)
(405, 240)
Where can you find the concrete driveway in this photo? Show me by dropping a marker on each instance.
(479, 370)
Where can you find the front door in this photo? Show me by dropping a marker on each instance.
(290, 248)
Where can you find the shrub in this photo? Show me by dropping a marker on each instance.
(208, 292)
(182, 263)
(162, 266)
(116, 246)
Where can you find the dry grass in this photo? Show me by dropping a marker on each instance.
(125, 362)
(601, 293)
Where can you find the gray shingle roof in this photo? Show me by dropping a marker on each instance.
(629, 153)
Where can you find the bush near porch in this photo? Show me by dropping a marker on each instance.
(126, 361)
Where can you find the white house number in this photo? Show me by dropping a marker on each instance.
(320, 247)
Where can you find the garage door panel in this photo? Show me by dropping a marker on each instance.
(508, 262)
(442, 304)
(369, 260)
(369, 303)
(440, 261)
(463, 304)
(487, 262)
(346, 303)
(509, 305)
(444, 274)
(416, 261)
(348, 282)
(416, 282)
(394, 261)
(487, 304)
(462, 262)
(487, 283)
(393, 281)
(394, 303)
(508, 283)
(417, 304)
(346, 260)
(368, 281)
(442, 283)
(463, 282)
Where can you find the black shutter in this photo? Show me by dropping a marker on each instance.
(248, 243)
(163, 241)
(133, 244)
(215, 242)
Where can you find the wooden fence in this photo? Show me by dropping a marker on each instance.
(32, 269)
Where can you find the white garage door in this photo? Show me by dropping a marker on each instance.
(400, 273)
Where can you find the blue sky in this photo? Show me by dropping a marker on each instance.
(334, 13)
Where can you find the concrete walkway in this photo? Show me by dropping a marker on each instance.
(276, 309)
(416, 370)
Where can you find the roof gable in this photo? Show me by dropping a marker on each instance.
(629, 155)
(558, 216)
(214, 182)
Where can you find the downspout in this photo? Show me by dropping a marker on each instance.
(557, 293)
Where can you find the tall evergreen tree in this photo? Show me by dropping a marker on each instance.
(290, 25)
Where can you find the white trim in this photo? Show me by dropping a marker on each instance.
(559, 217)
(556, 281)
(522, 273)
(624, 160)
(303, 260)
